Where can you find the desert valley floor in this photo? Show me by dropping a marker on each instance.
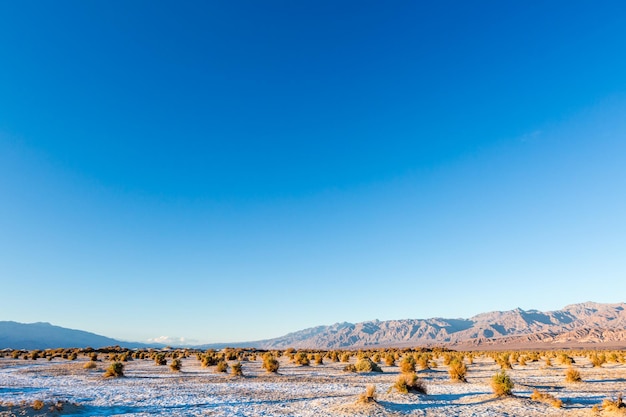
(316, 390)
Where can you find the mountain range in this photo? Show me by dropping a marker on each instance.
(29, 336)
(576, 325)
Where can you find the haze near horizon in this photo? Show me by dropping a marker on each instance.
(236, 171)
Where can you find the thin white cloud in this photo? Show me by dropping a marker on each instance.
(170, 340)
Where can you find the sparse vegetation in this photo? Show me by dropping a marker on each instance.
(407, 364)
(409, 382)
(546, 398)
(270, 364)
(176, 365)
(222, 366)
(116, 370)
(501, 384)
(573, 375)
(90, 365)
(457, 370)
(369, 396)
(614, 406)
(366, 365)
(302, 359)
(236, 369)
(390, 360)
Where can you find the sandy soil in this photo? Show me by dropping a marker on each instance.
(148, 390)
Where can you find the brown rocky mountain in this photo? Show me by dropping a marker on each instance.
(574, 325)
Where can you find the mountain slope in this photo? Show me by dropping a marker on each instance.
(577, 323)
(46, 336)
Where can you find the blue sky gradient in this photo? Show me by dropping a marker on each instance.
(228, 171)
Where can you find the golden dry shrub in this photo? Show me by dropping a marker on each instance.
(319, 359)
(115, 370)
(366, 365)
(457, 370)
(90, 365)
(236, 369)
(302, 359)
(501, 384)
(573, 375)
(597, 360)
(37, 405)
(176, 365)
(616, 405)
(270, 364)
(390, 359)
(369, 396)
(222, 366)
(407, 364)
(409, 382)
(544, 397)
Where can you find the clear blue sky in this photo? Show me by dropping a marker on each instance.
(235, 170)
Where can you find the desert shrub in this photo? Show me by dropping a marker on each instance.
(160, 359)
(366, 365)
(345, 357)
(37, 405)
(546, 398)
(93, 356)
(613, 405)
(504, 361)
(35, 354)
(597, 360)
(270, 364)
(369, 396)
(349, 368)
(548, 362)
(376, 358)
(564, 359)
(319, 359)
(390, 359)
(424, 362)
(501, 384)
(236, 369)
(407, 364)
(409, 382)
(457, 370)
(209, 360)
(230, 354)
(302, 359)
(73, 356)
(222, 366)
(572, 375)
(16, 354)
(334, 356)
(116, 369)
(89, 365)
(176, 365)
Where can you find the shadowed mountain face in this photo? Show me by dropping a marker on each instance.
(46, 336)
(578, 323)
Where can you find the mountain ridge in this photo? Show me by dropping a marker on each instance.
(43, 335)
(588, 322)
(582, 324)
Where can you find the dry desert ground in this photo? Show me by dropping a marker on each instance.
(65, 387)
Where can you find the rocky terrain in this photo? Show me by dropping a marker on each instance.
(576, 325)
